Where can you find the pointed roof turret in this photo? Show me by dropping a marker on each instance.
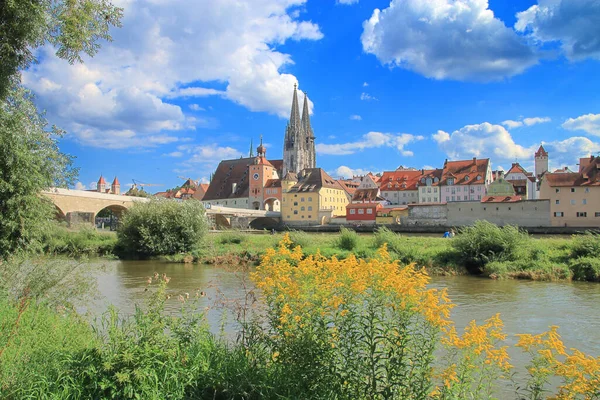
(251, 154)
(116, 182)
(541, 152)
(295, 114)
(306, 117)
(101, 181)
(261, 150)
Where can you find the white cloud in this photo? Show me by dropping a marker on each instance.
(356, 117)
(567, 152)
(347, 172)
(365, 84)
(371, 140)
(511, 124)
(81, 186)
(175, 154)
(446, 39)
(589, 123)
(196, 107)
(167, 50)
(347, 2)
(367, 97)
(483, 141)
(573, 23)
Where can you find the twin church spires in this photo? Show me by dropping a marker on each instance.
(299, 142)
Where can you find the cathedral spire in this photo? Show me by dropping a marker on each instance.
(251, 154)
(306, 117)
(295, 114)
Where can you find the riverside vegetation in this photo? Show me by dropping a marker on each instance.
(348, 328)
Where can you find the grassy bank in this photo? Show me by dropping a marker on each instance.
(485, 249)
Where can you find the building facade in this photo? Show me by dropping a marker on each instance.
(574, 197)
(465, 180)
(400, 187)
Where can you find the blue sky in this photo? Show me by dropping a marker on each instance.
(185, 84)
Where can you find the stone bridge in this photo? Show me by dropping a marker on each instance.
(80, 206)
(241, 218)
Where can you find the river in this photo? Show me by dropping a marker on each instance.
(525, 306)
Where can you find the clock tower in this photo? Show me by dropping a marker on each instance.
(263, 177)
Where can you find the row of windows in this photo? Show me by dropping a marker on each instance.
(579, 214)
(573, 202)
(296, 213)
(423, 199)
(271, 191)
(361, 211)
(573, 190)
(465, 198)
(464, 189)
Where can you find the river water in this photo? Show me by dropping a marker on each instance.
(525, 306)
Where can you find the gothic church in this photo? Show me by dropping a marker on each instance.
(299, 142)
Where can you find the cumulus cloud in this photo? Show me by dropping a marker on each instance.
(367, 97)
(482, 140)
(347, 172)
(81, 186)
(371, 140)
(567, 152)
(347, 2)
(355, 117)
(171, 50)
(573, 23)
(446, 39)
(196, 107)
(511, 124)
(589, 123)
(365, 84)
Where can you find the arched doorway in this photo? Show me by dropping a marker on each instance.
(108, 217)
(256, 205)
(272, 204)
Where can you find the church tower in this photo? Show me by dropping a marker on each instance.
(541, 162)
(101, 185)
(299, 142)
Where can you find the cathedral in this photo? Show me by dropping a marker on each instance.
(256, 182)
(299, 142)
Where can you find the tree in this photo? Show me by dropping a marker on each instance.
(72, 26)
(30, 160)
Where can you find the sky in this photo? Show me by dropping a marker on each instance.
(187, 83)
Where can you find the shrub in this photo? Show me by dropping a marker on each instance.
(485, 242)
(161, 227)
(587, 245)
(348, 239)
(384, 236)
(299, 238)
(586, 269)
(231, 237)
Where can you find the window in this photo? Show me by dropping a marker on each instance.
(597, 214)
(295, 203)
(572, 190)
(369, 211)
(584, 201)
(447, 198)
(309, 208)
(435, 199)
(310, 216)
(302, 199)
(361, 211)
(310, 199)
(559, 214)
(557, 190)
(581, 214)
(295, 212)
(587, 190)
(352, 211)
(302, 208)
(428, 190)
(557, 202)
(573, 202)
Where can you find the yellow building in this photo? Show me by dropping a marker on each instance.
(574, 197)
(388, 216)
(314, 199)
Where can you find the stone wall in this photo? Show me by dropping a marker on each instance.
(531, 213)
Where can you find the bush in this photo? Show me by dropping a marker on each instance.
(485, 242)
(84, 242)
(231, 237)
(384, 236)
(587, 245)
(586, 269)
(348, 239)
(299, 238)
(161, 227)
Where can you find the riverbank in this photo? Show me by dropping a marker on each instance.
(498, 253)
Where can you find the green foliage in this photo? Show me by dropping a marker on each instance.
(586, 245)
(485, 242)
(384, 236)
(161, 227)
(348, 239)
(135, 192)
(586, 268)
(73, 27)
(87, 241)
(30, 162)
(231, 237)
(300, 238)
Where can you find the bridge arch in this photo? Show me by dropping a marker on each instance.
(272, 204)
(264, 223)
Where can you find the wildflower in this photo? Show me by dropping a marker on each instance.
(275, 355)
(181, 299)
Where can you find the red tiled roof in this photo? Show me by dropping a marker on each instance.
(400, 180)
(229, 172)
(101, 181)
(541, 152)
(461, 170)
(273, 183)
(116, 181)
(501, 199)
(588, 176)
(313, 179)
(348, 185)
(365, 195)
(516, 168)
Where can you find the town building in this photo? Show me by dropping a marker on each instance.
(541, 162)
(265, 185)
(363, 213)
(523, 182)
(500, 187)
(400, 187)
(314, 199)
(101, 186)
(465, 180)
(429, 186)
(574, 196)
